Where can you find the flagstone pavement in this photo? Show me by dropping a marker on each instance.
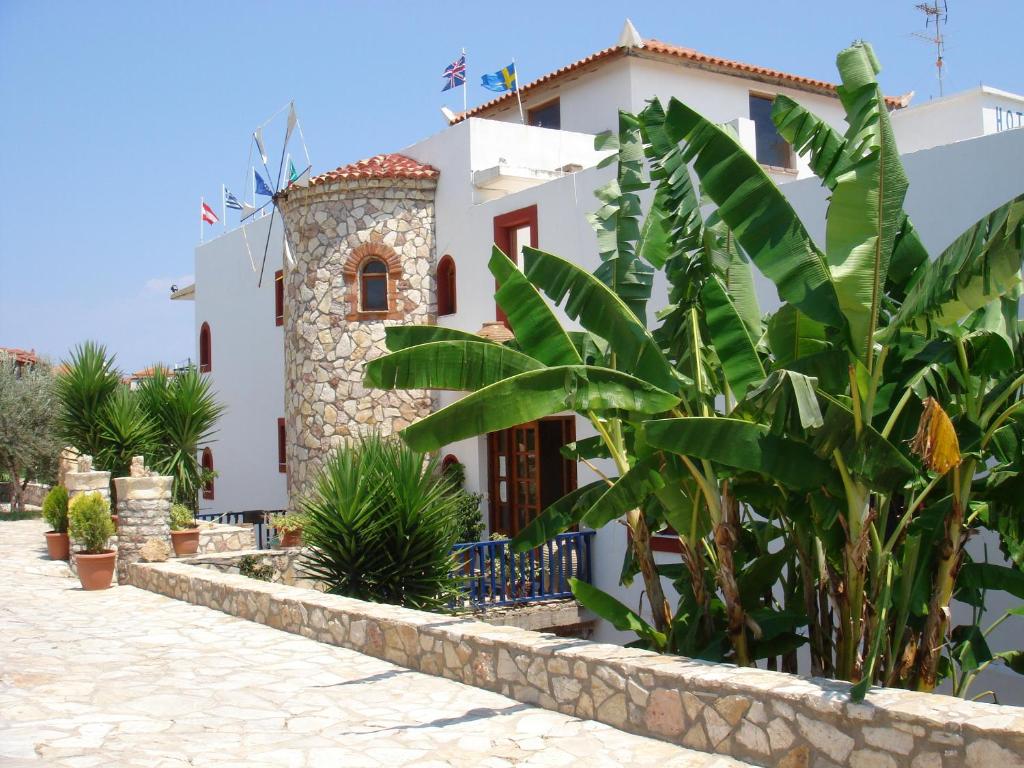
(125, 677)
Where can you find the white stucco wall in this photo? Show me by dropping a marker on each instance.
(247, 366)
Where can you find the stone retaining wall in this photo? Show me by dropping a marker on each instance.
(767, 718)
(286, 564)
(218, 537)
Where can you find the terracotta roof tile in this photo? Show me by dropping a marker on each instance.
(669, 51)
(390, 166)
(21, 356)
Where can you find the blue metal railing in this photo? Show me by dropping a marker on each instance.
(492, 575)
(264, 532)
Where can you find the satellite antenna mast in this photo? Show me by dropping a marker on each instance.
(935, 15)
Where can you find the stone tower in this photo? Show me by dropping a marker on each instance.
(353, 232)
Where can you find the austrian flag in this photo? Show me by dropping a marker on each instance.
(206, 214)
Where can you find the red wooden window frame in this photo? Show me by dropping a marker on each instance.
(207, 463)
(205, 349)
(282, 446)
(505, 226)
(446, 304)
(364, 280)
(279, 297)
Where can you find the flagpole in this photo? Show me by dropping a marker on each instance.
(224, 206)
(202, 202)
(518, 97)
(465, 83)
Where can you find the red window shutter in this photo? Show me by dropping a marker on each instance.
(282, 447)
(279, 297)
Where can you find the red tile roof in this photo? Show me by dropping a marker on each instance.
(678, 53)
(21, 356)
(390, 166)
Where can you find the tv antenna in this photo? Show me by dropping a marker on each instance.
(935, 15)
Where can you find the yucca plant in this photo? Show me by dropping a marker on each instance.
(185, 412)
(380, 526)
(126, 431)
(84, 388)
(778, 449)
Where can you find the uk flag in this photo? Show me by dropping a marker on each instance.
(456, 73)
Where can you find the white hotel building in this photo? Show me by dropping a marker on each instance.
(488, 178)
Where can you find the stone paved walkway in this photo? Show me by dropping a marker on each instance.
(125, 677)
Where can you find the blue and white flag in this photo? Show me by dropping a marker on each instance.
(262, 188)
(230, 201)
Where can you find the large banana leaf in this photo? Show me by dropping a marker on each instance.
(629, 492)
(741, 445)
(758, 214)
(808, 133)
(618, 615)
(455, 365)
(793, 335)
(616, 222)
(398, 337)
(982, 264)
(537, 330)
(559, 517)
(735, 347)
(601, 312)
(730, 262)
(534, 395)
(866, 207)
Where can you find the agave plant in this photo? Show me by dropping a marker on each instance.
(380, 526)
(821, 466)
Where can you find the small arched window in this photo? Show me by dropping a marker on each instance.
(207, 464)
(374, 286)
(205, 353)
(446, 286)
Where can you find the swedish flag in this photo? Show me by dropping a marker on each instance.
(502, 80)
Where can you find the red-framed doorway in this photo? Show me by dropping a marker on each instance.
(527, 472)
(512, 231)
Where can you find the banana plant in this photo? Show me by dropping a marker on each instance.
(821, 466)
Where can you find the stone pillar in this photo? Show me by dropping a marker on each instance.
(143, 515)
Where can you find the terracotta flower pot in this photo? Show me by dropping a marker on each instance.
(290, 538)
(185, 542)
(58, 545)
(95, 571)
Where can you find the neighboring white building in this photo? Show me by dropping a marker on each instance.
(501, 181)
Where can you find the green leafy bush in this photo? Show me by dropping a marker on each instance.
(381, 527)
(289, 523)
(182, 518)
(55, 509)
(469, 520)
(252, 567)
(89, 522)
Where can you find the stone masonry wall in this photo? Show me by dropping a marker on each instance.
(327, 340)
(763, 717)
(143, 514)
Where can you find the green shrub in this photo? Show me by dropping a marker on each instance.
(182, 518)
(251, 566)
(289, 523)
(469, 521)
(89, 522)
(381, 527)
(55, 509)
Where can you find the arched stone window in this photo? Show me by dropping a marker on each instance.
(446, 286)
(207, 464)
(205, 349)
(373, 280)
(373, 286)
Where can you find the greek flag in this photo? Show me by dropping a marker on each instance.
(230, 201)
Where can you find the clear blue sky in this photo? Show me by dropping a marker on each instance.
(117, 117)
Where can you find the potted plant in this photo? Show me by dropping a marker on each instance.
(289, 529)
(184, 531)
(55, 512)
(89, 524)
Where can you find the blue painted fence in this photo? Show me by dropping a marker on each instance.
(491, 575)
